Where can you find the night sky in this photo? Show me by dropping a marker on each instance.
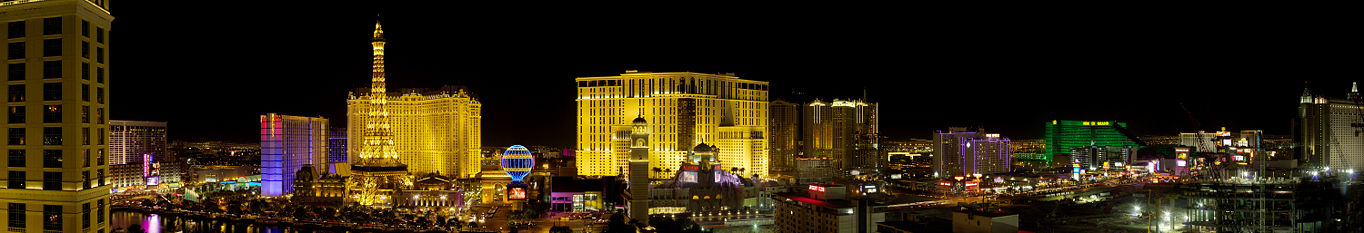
(211, 68)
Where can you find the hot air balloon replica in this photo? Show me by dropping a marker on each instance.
(517, 162)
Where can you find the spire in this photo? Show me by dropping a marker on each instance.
(378, 31)
(1354, 87)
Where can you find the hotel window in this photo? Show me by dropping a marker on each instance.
(85, 28)
(52, 181)
(85, 49)
(100, 135)
(85, 184)
(52, 47)
(52, 217)
(100, 174)
(99, 116)
(52, 158)
(85, 70)
(17, 217)
(85, 114)
(52, 26)
(99, 34)
(85, 138)
(99, 217)
(85, 92)
(16, 50)
(17, 158)
(52, 113)
(100, 160)
(52, 69)
(16, 93)
(16, 136)
(16, 179)
(99, 55)
(87, 158)
(52, 91)
(85, 210)
(16, 114)
(52, 136)
(16, 71)
(99, 95)
(16, 29)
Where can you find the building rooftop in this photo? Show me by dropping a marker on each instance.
(832, 204)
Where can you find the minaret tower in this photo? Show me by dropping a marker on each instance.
(638, 191)
(378, 173)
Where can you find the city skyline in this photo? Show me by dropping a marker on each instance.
(509, 68)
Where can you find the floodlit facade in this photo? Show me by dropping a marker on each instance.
(436, 130)
(683, 109)
(1201, 141)
(963, 153)
(838, 129)
(287, 143)
(56, 97)
(1328, 134)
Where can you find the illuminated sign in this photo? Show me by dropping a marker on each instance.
(1239, 158)
(516, 193)
(688, 177)
(816, 188)
(1179, 163)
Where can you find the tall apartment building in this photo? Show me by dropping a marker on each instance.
(1332, 131)
(56, 61)
(683, 109)
(286, 144)
(130, 144)
(963, 152)
(837, 129)
(436, 130)
(784, 124)
(1063, 135)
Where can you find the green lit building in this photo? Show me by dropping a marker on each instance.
(1062, 136)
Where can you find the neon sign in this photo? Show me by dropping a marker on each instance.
(816, 188)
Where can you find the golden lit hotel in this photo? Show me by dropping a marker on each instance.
(56, 101)
(435, 130)
(682, 109)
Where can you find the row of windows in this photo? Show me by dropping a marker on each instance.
(52, 70)
(52, 216)
(51, 158)
(52, 48)
(52, 91)
(51, 26)
(52, 136)
(52, 113)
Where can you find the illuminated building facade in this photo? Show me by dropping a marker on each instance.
(963, 153)
(1061, 136)
(56, 98)
(784, 124)
(701, 186)
(684, 109)
(1095, 158)
(376, 173)
(336, 151)
(130, 142)
(287, 143)
(825, 208)
(814, 170)
(1328, 134)
(436, 130)
(839, 129)
(1201, 141)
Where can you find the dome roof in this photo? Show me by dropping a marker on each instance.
(703, 148)
(639, 120)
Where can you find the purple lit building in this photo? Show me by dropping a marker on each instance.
(963, 152)
(286, 144)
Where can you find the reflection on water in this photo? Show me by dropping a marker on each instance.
(154, 223)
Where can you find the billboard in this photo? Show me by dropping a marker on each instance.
(516, 193)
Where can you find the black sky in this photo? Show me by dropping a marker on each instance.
(210, 68)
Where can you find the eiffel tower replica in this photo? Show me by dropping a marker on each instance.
(377, 174)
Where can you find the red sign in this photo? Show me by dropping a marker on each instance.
(516, 193)
(816, 188)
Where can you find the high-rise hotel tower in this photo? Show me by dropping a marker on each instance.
(682, 109)
(56, 59)
(1331, 131)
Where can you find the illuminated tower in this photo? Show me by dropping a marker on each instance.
(638, 191)
(56, 97)
(287, 143)
(683, 109)
(377, 173)
(845, 130)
